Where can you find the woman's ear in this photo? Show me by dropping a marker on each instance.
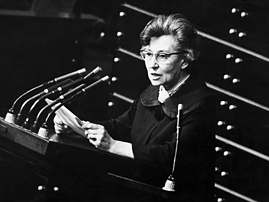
(184, 65)
(192, 55)
(189, 56)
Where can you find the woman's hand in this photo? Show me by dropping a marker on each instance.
(59, 126)
(98, 136)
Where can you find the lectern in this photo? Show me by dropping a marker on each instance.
(69, 168)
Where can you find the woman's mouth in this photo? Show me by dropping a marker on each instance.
(155, 76)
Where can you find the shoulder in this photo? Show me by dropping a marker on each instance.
(193, 94)
(149, 97)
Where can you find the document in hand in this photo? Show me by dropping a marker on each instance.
(68, 118)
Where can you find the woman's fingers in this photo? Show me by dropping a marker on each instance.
(89, 125)
(59, 126)
(96, 139)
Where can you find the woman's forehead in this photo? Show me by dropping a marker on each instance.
(165, 43)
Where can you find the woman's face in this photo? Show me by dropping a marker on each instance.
(166, 69)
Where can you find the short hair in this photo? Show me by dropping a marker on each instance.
(179, 27)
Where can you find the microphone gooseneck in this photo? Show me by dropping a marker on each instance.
(18, 120)
(43, 129)
(170, 182)
(62, 97)
(59, 90)
(66, 76)
(11, 114)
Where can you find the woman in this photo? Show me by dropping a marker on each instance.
(147, 131)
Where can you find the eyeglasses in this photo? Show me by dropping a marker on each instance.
(160, 57)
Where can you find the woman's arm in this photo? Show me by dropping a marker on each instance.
(99, 137)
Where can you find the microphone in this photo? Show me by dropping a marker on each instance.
(47, 90)
(78, 72)
(170, 183)
(58, 90)
(10, 116)
(63, 99)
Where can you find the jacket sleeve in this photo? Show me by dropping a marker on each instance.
(120, 128)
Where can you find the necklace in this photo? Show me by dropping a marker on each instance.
(176, 87)
(163, 94)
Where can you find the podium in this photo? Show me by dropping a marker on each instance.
(69, 168)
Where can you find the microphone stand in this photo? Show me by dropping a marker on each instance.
(170, 183)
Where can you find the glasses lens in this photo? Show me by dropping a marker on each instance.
(146, 55)
(162, 57)
(142, 55)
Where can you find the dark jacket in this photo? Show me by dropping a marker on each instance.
(151, 128)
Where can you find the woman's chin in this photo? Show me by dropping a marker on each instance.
(156, 82)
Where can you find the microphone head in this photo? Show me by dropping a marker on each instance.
(95, 71)
(81, 71)
(105, 78)
(78, 72)
(179, 107)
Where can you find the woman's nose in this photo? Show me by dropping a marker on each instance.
(152, 63)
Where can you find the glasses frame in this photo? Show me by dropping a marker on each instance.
(156, 55)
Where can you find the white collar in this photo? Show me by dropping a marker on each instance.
(164, 94)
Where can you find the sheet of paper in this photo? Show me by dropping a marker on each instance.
(69, 118)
